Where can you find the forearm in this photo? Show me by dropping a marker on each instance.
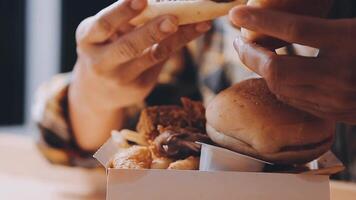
(91, 119)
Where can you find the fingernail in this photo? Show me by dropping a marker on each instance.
(203, 27)
(159, 52)
(237, 42)
(138, 4)
(169, 25)
(239, 16)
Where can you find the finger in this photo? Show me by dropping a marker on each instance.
(125, 28)
(323, 112)
(253, 56)
(279, 70)
(149, 78)
(308, 107)
(293, 28)
(329, 101)
(132, 45)
(180, 39)
(160, 52)
(99, 28)
(129, 71)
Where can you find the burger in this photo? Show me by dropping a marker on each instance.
(247, 118)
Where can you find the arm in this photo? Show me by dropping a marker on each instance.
(118, 66)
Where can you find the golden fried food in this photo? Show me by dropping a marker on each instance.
(119, 140)
(191, 114)
(190, 163)
(161, 163)
(135, 137)
(164, 134)
(135, 157)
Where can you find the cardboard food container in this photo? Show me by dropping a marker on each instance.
(216, 183)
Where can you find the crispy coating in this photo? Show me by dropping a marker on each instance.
(151, 117)
(178, 129)
(135, 157)
(190, 163)
(191, 114)
(161, 163)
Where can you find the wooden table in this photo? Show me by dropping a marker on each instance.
(25, 174)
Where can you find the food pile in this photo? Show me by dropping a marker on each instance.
(246, 118)
(165, 138)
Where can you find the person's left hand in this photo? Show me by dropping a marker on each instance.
(324, 85)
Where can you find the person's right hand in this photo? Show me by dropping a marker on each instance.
(118, 64)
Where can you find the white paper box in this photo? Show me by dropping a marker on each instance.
(198, 185)
(178, 185)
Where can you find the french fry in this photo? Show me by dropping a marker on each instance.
(134, 136)
(135, 157)
(119, 140)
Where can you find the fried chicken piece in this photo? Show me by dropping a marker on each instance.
(190, 163)
(151, 117)
(135, 157)
(191, 114)
(159, 161)
(179, 143)
(196, 113)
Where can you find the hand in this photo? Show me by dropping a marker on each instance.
(315, 8)
(119, 64)
(325, 85)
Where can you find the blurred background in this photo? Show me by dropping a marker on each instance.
(37, 41)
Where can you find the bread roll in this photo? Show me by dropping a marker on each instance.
(187, 11)
(248, 118)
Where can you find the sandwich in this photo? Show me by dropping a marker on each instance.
(247, 118)
(187, 11)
